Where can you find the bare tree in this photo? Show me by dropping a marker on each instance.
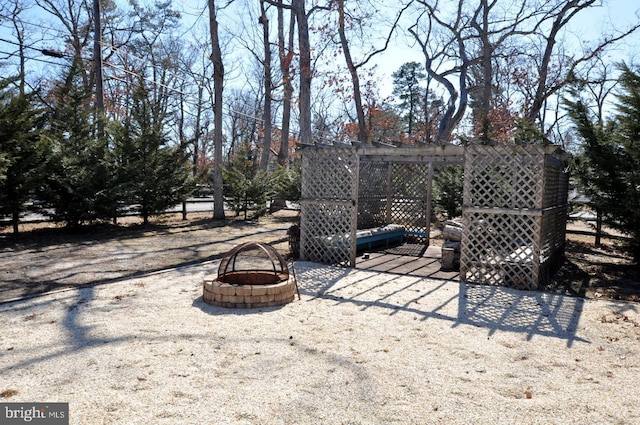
(193, 117)
(451, 48)
(305, 70)
(74, 16)
(268, 86)
(285, 53)
(595, 88)
(353, 70)
(475, 39)
(494, 28)
(547, 86)
(304, 51)
(218, 81)
(346, 21)
(244, 106)
(14, 10)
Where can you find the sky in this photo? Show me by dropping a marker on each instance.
(588, 26)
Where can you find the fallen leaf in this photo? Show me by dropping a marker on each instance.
(8, 393)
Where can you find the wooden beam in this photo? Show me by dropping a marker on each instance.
(438, 155)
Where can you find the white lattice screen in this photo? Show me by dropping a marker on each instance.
(328, 206)
(409, 200)
(394, 193)
(372, 194)
(514, 214)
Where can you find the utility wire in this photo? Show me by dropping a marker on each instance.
(45, 51)
(145, 61)
(144, 78)
(23, 22)
(32, 58)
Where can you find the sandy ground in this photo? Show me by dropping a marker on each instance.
(51, 259)
(359, 348)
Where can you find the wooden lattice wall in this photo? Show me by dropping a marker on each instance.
(328, 207)
(341, 193)
(373, 194)
(394, 193)
(409, 207)
(514, 214)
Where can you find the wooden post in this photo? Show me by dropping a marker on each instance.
(389, 191)
(447, 259)
(598, 227)
(429, 200)
(354, 210)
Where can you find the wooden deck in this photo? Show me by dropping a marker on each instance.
(407, 259)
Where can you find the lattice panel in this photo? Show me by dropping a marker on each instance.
(503, 177)
(329, 173)
(554, 226)
(328, 205)
(556, 183)
(553, 232)
(372, 194)
(552, 187)
(328, 237)
(499, 249)
(409, 199)
(514, 212)
(554, 216)
(514, 208)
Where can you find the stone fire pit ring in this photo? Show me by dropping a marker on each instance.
(251, 275)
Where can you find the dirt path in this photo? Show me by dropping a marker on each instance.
(48, 259)
(51, 259)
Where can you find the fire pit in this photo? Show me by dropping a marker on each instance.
(251, 275)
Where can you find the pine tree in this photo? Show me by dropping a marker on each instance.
(4, 166)
(79, 177)
(406, 87)
(288, 182)
(21, 152)
(448, 186)
(245, 186)
(152, 174)
(609, 168)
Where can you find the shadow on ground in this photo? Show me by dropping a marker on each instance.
(492, 307)
(596, 272)
(52, 259)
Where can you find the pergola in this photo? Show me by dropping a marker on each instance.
(514, 205)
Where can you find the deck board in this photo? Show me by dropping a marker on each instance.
(390, 261)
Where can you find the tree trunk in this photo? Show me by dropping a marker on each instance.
(218, 81)
(20, 35)
(15, 221)
(97, 59)
(266, 114)
(457, 103)
(487, 74)
(559, 22)
(357, 97)
(305, 71)
(285, 68)
(197, 134)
